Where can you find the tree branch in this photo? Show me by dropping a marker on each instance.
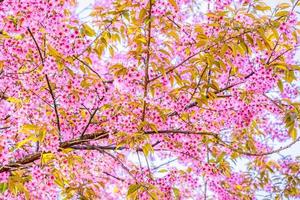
(55, 107)
(89, 122)
(193, 55)
(36, 44)
(67, 144)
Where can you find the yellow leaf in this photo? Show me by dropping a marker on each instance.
(42, 134)
(13, 100)
(53, 52)
(176, 193)
(142, 14)
(283, 5)
(199, 29)
(280, 85)
(239, 187)
(88, 60)
(87, 30)
(132, 190)
(174, 35)
(282, 13)
(111, 51)
(147, 149)
(60, 66)
(116, 189)
(173, 3)
(46, 157)
(23, 142)
(142, 39)
(262, 7)
(293, 133)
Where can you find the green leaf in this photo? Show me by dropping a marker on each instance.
(280, 85)
(162, 171)
(221, 157)
(293, 133)
(176, 193)
(132, 190)
(3, 187)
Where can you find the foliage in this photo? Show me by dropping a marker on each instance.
(148, 99)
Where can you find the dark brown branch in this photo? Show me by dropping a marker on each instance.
(89, 122)
(113, 148)
(178, 132)
(108, 174)
(36, 44)
(67, 144)
(55, 107)
(178, 26)
(5, 127)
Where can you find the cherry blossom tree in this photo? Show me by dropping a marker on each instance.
(149, 99)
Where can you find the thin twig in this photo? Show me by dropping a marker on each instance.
(89, 123)
(36, 44)
(55, 108)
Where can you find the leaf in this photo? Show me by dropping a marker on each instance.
(280, 85)
(283, 5)
(293, 133)
(87, 30)
(53, 52)
(173, 3)
(153, 127)
(147, 149)
(282, 13)
(132, 190)
(153, 195)
(59, 182)
(220, 158)
(111, 51)
(3, 187)
(142, 40)
(162, 171)
(289, 76)
(239, 187)
(176, 193)
(13, 100)
(46, 158)
(23, 142)
(142, 14)
(262, 7)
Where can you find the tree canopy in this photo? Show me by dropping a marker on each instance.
(149, 99)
